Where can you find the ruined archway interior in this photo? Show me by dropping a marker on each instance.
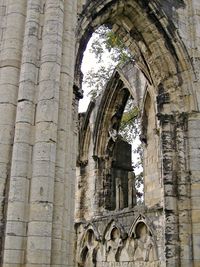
(106, 200)
(124, 149)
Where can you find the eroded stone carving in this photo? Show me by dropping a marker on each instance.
(119, 247)
(144, 244)
(113, 242)
(88, 248)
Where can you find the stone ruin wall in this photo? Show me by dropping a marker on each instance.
(167, 166)
(41, 46)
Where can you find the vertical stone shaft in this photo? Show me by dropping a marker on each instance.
(44, 154)
(13, 15)
(184, 197)
(71, 204)
(194, 167)
(118, 193)
(63, 227)
(68, 223)
(131, 190)
(170, 194)
(15, 239)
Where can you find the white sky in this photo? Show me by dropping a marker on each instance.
(87, 65)
(90, 62)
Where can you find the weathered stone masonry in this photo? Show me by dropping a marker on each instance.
(41, 49)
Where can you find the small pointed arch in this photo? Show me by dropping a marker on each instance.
(88, 244)
(90, 232)
(113, 238)
(147, 104)
(112, 229)
(92, 227)
(111, 108)
(140, 219)
(142, 232)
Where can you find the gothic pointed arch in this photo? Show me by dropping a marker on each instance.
(88, 246)
(112, 225)
(90, 233)
(114, 236)
(146, 27)
(111, 105)
(141, 218)
(151, 30)
(108, 120)
(145, 239)
(100, 143)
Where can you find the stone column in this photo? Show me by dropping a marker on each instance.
(184, 191)
(67, 83)
(131, 190)
(15, 240)
(194, 167)
(60, 235)
(44, 154)
(13, 14)
(170, 189)
(119, 196)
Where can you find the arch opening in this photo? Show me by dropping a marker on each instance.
(120, 131)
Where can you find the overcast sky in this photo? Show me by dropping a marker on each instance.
(87, 64)
(90, 62)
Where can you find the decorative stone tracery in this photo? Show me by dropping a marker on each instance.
(117, 246)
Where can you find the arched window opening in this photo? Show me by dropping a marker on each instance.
(112, 154)
(105, 51)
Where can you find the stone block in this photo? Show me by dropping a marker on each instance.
(42, 189)
(38, 257)
(39, 228)
(41, 211)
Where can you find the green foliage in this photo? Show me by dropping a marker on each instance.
(121, 54)
(129, 127)
(96, 80)
(110, 41)
(105, 41)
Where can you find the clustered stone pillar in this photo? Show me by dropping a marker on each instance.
(170, 185)
(38, 51)
(183, 191)
(194, 166)
(44, 153)
(63, 210)
(14, 13)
